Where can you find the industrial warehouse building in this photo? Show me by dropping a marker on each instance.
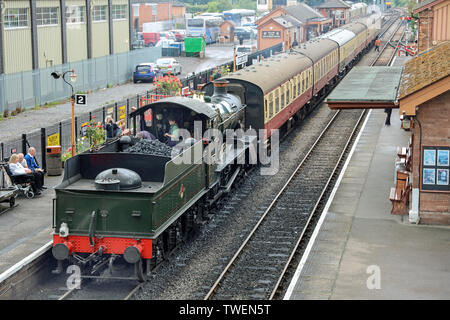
(38, 37)
(42, 33)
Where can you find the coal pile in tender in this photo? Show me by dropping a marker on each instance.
(152, 147)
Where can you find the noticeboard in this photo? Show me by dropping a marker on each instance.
(122, 112)
(53, 140)
(271, 34)
(435, 168)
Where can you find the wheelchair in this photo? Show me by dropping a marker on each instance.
(21, 182)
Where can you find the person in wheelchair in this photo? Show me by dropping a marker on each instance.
(17, 169)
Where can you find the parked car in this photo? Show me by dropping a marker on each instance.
(168, 35)
(244, 49)
(180, 34)
(165, 43)
(243, 32)
(168, 65)
(146, 71)
(150, 38)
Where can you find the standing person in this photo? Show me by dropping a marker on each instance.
(173, 134)
(33, 166)
(388, 116)
(112, 129)
(377, 45)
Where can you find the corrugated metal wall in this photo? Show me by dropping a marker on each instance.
(121, 30)
(49, 38)
(100, 34)
(17, 42)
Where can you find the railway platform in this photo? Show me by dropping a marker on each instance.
(359, 250)
(26, 227)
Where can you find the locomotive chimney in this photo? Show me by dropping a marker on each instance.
(220, 87)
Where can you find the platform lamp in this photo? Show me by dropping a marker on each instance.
(73, 78)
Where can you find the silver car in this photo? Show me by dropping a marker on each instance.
(166, 65)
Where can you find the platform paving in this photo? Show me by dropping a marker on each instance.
(359, 236)
(26, 227)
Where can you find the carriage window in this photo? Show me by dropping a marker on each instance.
(266, 113)
(294, 89)
(288, 97)
(270, 109)
(277, 104)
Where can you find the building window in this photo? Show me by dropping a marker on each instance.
(74, 14)
(47, 16)
(16, 18)
(119, 11)
(99, 13)
(262, 2)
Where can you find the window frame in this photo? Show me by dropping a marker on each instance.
(80, 18)
(98, 8)
(55, 21)
(7, 23)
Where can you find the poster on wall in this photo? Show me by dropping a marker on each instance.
(429, 176)
(429, 157)
(435, 168)
(442, 159)
(442, 177)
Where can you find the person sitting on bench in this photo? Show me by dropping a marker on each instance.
(37, 172)
(17, 169)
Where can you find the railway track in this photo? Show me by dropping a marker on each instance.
(272, 243)
(261, 265)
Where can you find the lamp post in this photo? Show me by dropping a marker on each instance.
(73, 78)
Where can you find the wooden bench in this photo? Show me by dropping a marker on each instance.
(399, 195)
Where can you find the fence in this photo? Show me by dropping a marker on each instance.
(120, 110)
(37, 87)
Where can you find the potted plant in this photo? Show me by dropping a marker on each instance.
(168, 85)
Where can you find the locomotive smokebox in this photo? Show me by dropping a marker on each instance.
(220, 87)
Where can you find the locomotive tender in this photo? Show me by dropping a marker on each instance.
(113, 204)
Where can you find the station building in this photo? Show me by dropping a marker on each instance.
(421, 91)
(338, 10)
(297, 22)
(42, 33)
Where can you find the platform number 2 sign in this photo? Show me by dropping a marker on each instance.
(80, 99)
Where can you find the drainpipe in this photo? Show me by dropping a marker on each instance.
(414, 216)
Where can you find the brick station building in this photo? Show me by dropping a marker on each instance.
(424, 97)
(422, 188)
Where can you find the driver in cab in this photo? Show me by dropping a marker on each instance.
(173, 133)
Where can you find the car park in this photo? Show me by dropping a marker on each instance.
(146, 71)
(168, 65)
